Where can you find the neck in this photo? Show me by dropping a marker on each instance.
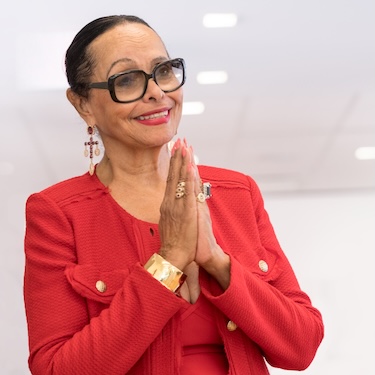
(147, 165)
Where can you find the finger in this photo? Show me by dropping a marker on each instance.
(198, 185)
(188, 176)
(174, 168)
(179, 175)
(185, 179)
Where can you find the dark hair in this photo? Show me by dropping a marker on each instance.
(78, 61)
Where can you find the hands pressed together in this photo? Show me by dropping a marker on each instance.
(185, 224)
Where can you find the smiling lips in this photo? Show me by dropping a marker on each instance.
(154, 115)
(154, 118)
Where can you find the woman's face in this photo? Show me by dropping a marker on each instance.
(148, 122)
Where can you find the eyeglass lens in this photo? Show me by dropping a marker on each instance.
(132, 85)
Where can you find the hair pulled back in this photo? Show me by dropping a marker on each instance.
(79, 63)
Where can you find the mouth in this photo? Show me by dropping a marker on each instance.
(153, 116)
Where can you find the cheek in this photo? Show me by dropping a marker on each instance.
(178, 99)
(179, 96)
(108, 112)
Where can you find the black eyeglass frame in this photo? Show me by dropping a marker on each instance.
(110, 84)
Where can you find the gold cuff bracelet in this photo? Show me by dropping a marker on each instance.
(163, 271)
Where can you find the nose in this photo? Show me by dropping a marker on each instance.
(153, 91)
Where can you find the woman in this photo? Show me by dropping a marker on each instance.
(131, 269)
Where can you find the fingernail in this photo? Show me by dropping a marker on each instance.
(183, 151)
(175, 146)
(173, 149)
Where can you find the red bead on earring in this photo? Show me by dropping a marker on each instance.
(89, 147)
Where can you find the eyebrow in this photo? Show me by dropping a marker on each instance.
(154, 61)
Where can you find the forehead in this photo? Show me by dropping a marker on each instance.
(132, 41)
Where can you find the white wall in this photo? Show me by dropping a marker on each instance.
(329, 239)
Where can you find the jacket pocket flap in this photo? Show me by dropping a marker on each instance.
(94, 284)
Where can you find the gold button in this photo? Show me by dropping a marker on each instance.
(263, 265)
(231, 326)
(100, 286)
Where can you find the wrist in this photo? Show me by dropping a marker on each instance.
(166, 273)
(219, 268)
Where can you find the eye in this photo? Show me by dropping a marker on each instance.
(127, 80)
(164, 71)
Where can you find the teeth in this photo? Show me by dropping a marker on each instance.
(154, 115)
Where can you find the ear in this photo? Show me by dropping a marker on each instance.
(81, 105)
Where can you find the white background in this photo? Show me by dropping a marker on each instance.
(299, 101)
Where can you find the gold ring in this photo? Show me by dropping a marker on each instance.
(180, 190)
(201, 198)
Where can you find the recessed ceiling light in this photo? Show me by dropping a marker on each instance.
(365, 153)
(219, 20)
(214, 77)
(192, 108)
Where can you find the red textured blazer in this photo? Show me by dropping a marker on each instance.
(92, 308)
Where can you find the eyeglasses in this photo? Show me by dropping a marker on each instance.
(131, 85)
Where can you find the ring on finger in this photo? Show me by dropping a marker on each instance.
(205, 193)
(180, 189)
(201, 198)
(207, 190)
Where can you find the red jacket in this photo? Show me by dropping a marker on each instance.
(77, 235)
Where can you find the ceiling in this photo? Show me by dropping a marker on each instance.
(300, 98)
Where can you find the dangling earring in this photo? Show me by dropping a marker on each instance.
(90, 150)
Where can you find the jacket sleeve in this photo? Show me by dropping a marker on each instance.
(268, 305)
(62, 338)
